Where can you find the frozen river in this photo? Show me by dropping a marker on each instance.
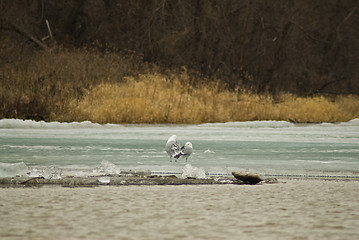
(265, 147)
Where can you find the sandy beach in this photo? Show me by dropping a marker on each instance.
(289, 209)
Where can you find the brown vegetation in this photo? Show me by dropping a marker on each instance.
(86, 84)
(157, 99)
(43, 83)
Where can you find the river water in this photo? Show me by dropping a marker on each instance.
(264, 147)
(304, 208)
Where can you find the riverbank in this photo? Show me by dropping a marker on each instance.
(122, 180)
(142, 179)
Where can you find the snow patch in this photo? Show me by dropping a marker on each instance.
(19, 123)
(252, 124)
(354, 122)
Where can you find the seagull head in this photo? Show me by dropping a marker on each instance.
(188, 144)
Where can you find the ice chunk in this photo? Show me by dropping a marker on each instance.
(194, 172)
(13, 169)
(104, 180)
(107, 167)
(50, 172)
(34, 172)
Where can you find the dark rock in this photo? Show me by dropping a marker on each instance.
(249, 178)
(170, 176)
(191, 178)
(152, 176)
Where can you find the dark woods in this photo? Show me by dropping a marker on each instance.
(304, 47)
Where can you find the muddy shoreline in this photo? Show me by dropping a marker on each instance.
(113, 180)
(143, 179)
(120, 180)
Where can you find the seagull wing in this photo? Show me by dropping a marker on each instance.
(172, 146)
(186, 151)
(175, 147)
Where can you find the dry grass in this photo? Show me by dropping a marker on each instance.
(44, 82)
(156, 99)
(85, 84)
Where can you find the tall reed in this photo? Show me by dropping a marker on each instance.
(44, 82)
(154, 98)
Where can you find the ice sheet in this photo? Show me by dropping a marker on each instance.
(266, 147)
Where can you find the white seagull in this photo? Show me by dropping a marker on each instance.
(172, 147)
(186, 151)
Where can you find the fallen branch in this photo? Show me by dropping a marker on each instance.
(30, 179)
(27, 34)
(49, 29)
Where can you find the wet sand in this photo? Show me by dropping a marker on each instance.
(289, 209)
